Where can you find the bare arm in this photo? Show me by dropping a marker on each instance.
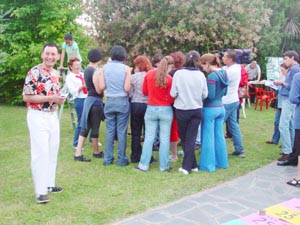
(127, 79)
(98, 81)
(42, 98)
(258, 76)
(62, 58)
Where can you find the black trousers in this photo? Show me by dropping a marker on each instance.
(293, 157)
(137, 124)
(188, 123)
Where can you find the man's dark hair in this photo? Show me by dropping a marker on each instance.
(291, 54)
(118, 53)
(231, 54)
(50, 45)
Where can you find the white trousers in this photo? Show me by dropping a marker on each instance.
(44, 143)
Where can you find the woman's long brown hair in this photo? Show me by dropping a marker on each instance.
(162, 71)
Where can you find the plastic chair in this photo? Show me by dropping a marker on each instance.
(262, 96)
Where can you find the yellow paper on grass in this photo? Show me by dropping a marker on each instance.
(284, 213)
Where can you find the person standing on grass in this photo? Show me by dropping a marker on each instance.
(286, 123)
(93, 107)
(294, 97)
(41, 92)
(213, 151)
(138, 105)
(189, 89)
(178, 58)
(116, 77)
(231, 101)
(157, 85)
(76, 86)
(276, 135)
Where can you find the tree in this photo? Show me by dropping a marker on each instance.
(276, 39)
(3, 25)
(291, 27)
(144, 27)
(32, 24)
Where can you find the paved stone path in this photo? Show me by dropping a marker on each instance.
(230, 200)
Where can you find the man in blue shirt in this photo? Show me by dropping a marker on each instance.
(295, 99)
(286, 124)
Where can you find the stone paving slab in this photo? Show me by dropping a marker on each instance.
(230, 200)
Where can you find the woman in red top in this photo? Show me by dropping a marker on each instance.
(157, 85)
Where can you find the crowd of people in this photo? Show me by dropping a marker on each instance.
(165, 99)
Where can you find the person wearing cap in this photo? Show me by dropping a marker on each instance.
(93, 107)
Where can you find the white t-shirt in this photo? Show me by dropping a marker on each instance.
(234, 77)
(69, 50)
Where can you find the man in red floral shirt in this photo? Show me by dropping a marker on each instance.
(41, 93)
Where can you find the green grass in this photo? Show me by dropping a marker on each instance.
(94, 194)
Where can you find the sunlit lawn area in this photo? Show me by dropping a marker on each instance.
(94, 194)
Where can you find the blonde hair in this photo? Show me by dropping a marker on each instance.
(162, 71)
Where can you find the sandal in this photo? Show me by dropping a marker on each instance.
(294, 182)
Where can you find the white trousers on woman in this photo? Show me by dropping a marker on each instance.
(44, 143)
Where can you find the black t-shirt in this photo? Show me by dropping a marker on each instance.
(88, 78)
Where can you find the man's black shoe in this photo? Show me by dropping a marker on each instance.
(287, 163)
(42, 199)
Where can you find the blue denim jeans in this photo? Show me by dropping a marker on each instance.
(78, 105)
(162, 116)
(276, 134)
(116, 113)
(137, 123)
(233, 126)
(213, 150)
(286, 126)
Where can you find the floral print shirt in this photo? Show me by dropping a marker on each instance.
(42, 81)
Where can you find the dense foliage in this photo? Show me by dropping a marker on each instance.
(147, 26)
(143, 27)
(31, 24)
(276, 39)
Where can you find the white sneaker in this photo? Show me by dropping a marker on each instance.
(180, 152)
(185, 172)
(195, 169)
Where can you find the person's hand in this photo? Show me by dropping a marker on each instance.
(278, 82)
(59, 99)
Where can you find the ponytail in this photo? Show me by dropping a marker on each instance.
(162, 71)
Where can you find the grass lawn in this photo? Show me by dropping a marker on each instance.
(94, 194)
